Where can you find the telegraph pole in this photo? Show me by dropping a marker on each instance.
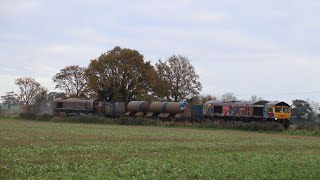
(318, 119)
(8, 98)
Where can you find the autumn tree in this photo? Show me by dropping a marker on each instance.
(301, 110)
(29, 89)
(121, 75)
(71, 80)
(229, 96)
(178, 79)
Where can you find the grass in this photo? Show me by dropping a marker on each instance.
(46, 150)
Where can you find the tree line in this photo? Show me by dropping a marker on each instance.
(122, 74)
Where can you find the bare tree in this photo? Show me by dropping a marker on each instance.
(10, 99)
(255, 98)
(29, 89)
(315, 109)
(201, 99)
(178, 79)
(229, 96)
(71, 80)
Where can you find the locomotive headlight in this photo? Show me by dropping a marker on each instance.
(276, 118)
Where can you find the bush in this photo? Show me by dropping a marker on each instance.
(45, 117)
(308, 126)
(252, 126)
(178, 124)
(32, 116)
(29, 116)
(127, 120)
(204, 124)
(273, 127)
(89, 119)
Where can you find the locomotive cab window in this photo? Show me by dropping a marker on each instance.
(59, 105)
(286, 110)
(278, 109)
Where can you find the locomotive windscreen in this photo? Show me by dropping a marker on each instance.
(258, 111)
(59, 105)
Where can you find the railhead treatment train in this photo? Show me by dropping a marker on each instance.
(245, 111)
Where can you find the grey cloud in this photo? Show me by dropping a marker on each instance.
(240, 46)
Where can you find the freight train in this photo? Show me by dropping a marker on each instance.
(245, 111)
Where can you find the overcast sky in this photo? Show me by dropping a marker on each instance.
(268, 48)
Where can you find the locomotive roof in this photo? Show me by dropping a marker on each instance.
(277, 103)
(243, 103)
(262, 102)
(221, 103)
(228, 103)
(213, 102)
(76, 100)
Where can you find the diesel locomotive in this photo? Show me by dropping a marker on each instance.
(247, 111)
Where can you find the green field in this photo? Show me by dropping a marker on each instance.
(30, 149)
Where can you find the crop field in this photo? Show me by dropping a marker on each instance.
(30, 149)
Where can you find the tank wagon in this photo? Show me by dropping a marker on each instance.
(160, 110)
(177, 110)
(114, 109)
(157, 109)
(137, 108)
(245, 111)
